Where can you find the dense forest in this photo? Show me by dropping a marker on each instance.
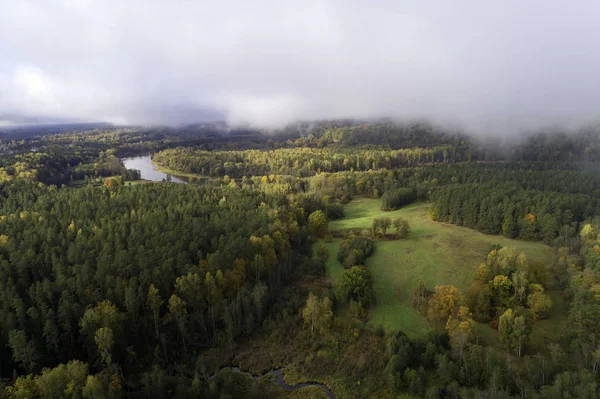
(302, 161)
(133, 264)
(155, 289)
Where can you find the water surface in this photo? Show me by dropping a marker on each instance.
(148, 170)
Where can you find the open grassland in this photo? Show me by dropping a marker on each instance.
(333, 268)
(436, 253)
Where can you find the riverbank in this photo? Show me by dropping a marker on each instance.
(177, 173)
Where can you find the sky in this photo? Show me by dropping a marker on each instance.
(485, 66)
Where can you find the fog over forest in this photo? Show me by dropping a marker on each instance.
(299, 200)
(483, 67)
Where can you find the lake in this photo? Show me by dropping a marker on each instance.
(148, 170)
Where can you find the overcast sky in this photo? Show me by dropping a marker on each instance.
(480, 64)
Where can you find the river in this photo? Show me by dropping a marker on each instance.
(277, 377)
(148, 170)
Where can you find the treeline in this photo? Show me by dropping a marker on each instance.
(131, 277)
(531, 201)
(511, 211)
(51, 165)
(582, 145)
(303, 150)
(579, 267)
(130, 141)
(55, 165)
(393, 135)
(561, 178)
(297, 162)
(545, 145)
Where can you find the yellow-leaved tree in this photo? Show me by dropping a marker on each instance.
(317, 313)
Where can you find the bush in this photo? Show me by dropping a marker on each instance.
(318, 223)
(355, 251)
(433, 214)
(382, 224)
(312, 203)
(322, 252)
(356, 286)
(393, 199)
(402, 227)
(334, 211)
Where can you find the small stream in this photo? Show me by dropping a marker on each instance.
(276, 376)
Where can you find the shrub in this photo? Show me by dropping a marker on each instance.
(393, 199)
(356, 286)
(334, 211)
(318, 223)
(402, 227)
(322, 252)
(355, 251)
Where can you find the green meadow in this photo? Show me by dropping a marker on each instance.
(436, 253)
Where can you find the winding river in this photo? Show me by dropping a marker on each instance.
(276, 376)
(148, 170)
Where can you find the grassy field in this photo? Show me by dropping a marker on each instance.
(436, 253)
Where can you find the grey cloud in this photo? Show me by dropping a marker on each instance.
(488, 66)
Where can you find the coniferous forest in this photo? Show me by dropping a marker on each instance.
(299, 255)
